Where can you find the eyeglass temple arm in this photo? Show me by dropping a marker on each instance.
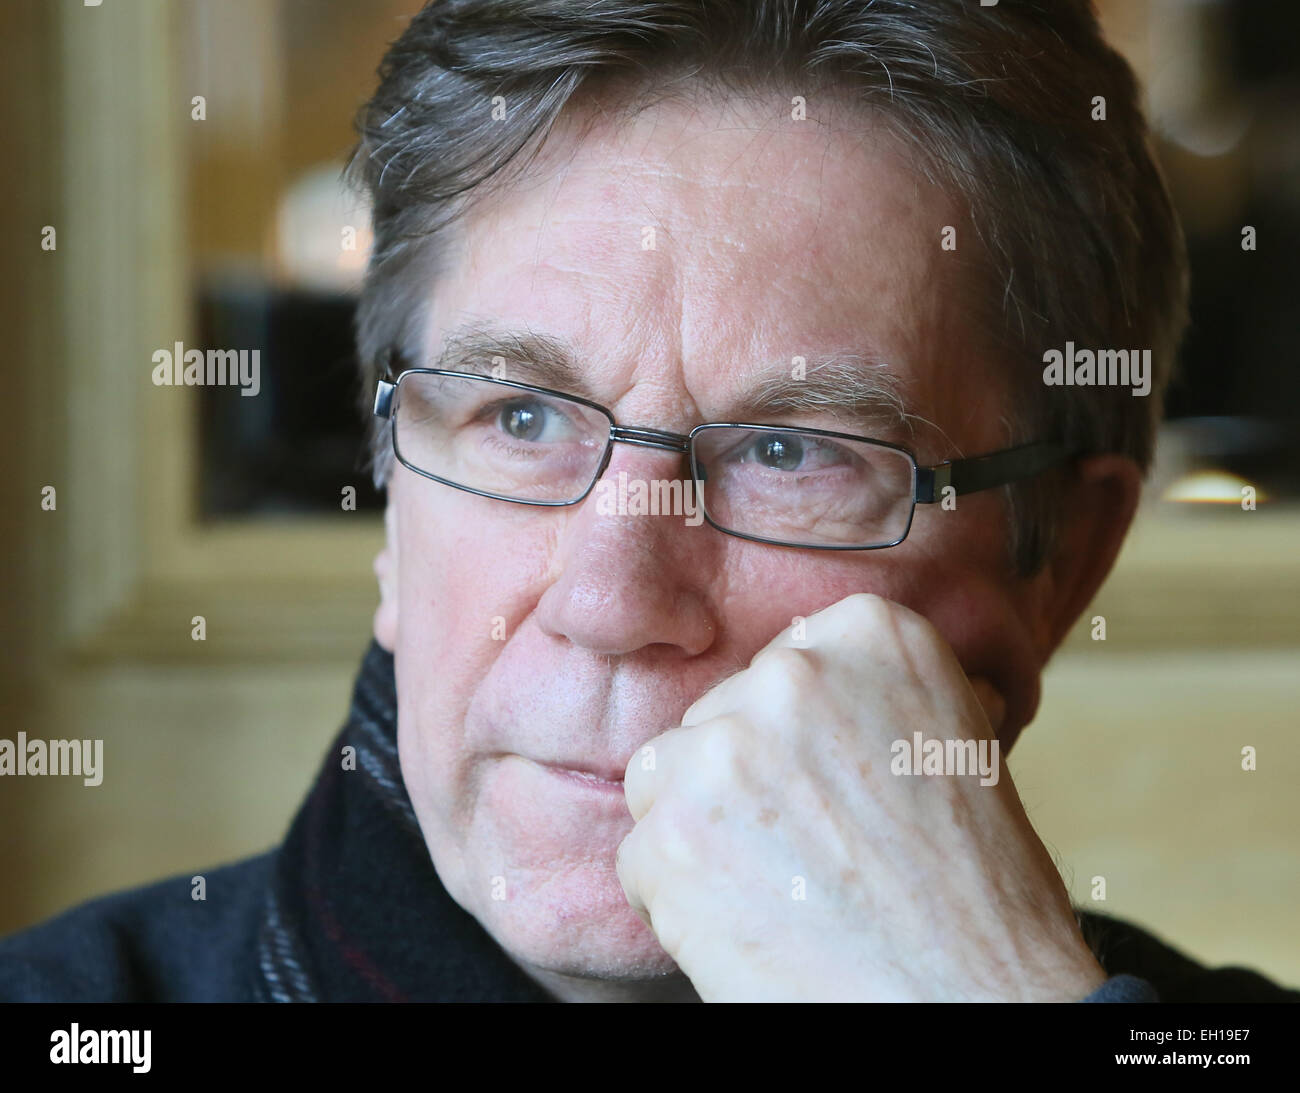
(983, 472)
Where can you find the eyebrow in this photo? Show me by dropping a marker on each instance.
(528, 357)
(858, 390)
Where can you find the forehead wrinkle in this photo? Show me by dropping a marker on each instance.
(855, 388)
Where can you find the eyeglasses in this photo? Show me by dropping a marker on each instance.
(776, 484)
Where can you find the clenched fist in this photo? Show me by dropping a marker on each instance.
(777, 856)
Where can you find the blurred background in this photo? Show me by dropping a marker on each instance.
(186, 154)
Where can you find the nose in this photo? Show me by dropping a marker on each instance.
(629, 580)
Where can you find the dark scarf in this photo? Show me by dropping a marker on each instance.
(355, 911)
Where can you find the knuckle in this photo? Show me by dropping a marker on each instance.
(914, 628)
(623, 852)
(867, 604)
(669, 838)
(720, 746)
(864, 613)
(625, 860)
(790, 668)
(878, 614)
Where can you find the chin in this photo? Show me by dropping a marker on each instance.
(573, 922)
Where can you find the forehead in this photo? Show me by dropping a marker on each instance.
(693, 243)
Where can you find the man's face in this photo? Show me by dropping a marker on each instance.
(537, 649)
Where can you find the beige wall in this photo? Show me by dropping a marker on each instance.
(1131, 772)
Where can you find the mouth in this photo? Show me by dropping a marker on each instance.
(602, 780)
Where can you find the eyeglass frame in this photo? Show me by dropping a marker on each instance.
(963, 476)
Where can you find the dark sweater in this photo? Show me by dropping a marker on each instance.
(349, 908)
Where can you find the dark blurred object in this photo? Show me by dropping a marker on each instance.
(1212, 458)
(1263, 36)
(1226, 93)
(299, 442)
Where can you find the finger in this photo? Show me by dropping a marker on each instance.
(646, 772)
(627, 865)
(721, 697)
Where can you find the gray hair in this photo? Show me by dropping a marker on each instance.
(997, 104)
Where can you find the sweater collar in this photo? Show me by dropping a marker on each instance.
(355, 910)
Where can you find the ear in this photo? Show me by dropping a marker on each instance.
(1101, 499)
(387, 569)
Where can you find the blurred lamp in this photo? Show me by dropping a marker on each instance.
(322, 232)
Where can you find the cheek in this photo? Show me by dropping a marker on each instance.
(768, 589)
(951, 569)
(963, 583)
(465, 574)
(469, 567)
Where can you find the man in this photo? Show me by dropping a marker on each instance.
(793, 269)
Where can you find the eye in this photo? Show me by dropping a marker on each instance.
(533, 421)
(791, 452)
(523, 420)
(782, 453)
